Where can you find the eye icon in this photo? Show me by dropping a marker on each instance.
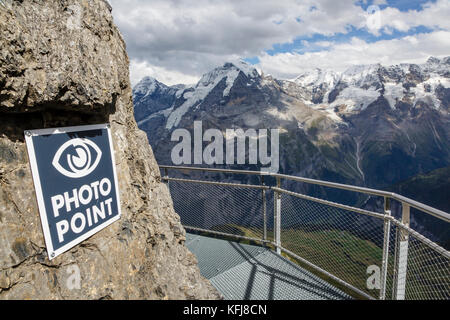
(77, 158)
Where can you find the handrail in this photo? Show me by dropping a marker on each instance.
(332, 204)
(237, 185)
(214, 170)
(418, 205)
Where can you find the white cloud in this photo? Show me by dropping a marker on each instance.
(434, 15)
(338, 57)
(324, 44)
(179, 40)
(192, 37)
(141, 69)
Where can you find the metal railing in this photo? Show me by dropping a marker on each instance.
(372, 254)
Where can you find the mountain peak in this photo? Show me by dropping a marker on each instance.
(147, 86)
(438, 65)
(433, 60)
(230, 68)
(361, 75)
(316, 77)
(246, 68)
(229, 71)
(148, 79)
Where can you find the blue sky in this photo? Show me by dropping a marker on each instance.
(176, 41)
(298, 45)
(402, 5)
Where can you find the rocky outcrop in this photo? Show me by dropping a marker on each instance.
(64, 63)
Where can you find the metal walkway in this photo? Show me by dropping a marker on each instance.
(247, 272)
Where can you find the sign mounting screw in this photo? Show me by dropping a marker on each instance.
(28, 133)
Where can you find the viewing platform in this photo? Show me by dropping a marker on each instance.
(260, 235)
(248, 272)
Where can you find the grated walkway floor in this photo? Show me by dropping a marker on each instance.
(248, 272)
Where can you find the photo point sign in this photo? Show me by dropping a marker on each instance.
(75, 180)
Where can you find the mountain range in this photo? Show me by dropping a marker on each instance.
(371, 125)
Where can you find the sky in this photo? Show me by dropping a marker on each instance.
(176, 41)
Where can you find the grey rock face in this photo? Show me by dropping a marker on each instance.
(64, 63)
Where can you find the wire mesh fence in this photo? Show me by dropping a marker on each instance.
(339, 240)
(222, 208)
(427, 272)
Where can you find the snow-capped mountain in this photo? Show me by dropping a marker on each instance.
(228, 74)
(356, 121)
(317, 83)
(361, 85)
(151, 96)
(336, 93)
(370, 125)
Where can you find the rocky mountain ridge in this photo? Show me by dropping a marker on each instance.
(355, 88)
(372, 126)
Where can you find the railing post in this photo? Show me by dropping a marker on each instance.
(401, 248)
(384, 262)
(394, 276)
(264, 211)
(277, 217)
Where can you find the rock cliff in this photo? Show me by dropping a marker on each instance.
(64, 63)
